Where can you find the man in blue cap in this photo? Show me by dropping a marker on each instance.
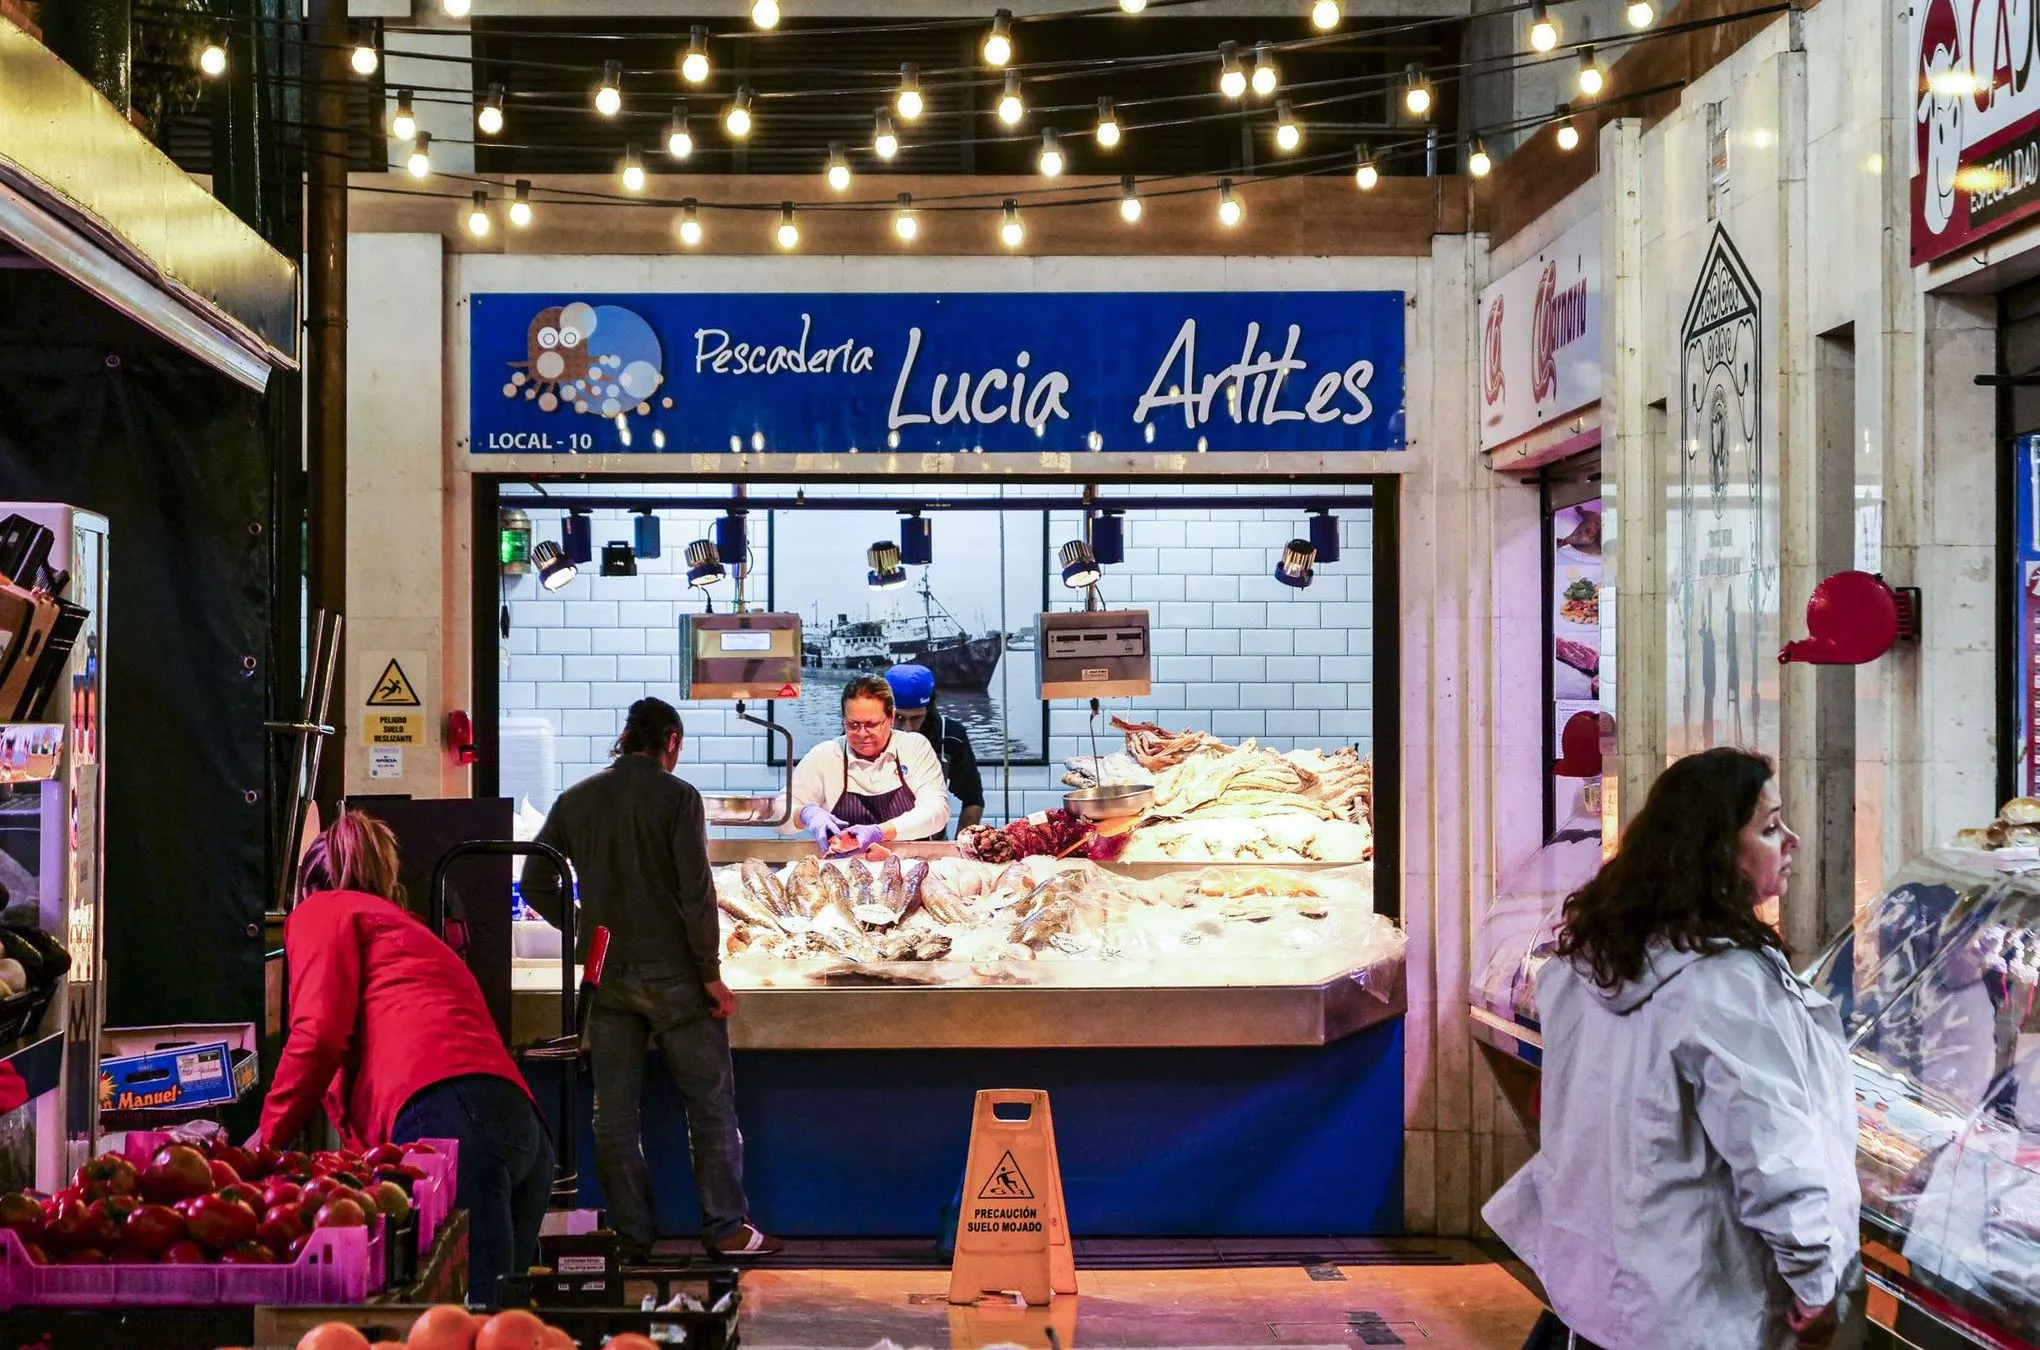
(914, 710)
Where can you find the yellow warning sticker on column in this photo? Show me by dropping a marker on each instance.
(381, 728)
(389, 697)
(393, 689)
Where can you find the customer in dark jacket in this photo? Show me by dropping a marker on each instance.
(637, 838)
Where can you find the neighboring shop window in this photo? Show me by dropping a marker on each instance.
(2019, 535)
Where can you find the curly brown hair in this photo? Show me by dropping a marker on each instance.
(1675, 878)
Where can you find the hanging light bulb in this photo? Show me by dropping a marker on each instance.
(456, 9)
(520, 204)
(212, 58)
(694, 65)
(908, 100)
(1264, 70)
(633, 169)
(1477, 161)
(838, 173)
(1543, 28)
(765, 14)
(1365, 176)
(1108, 124)
(1568, 135)
(999, 42)
(690, 223)
(364, 57)
(403, 122)
(1132, 6)
(1416, 92)
(679, 138)
(1011, 109)
(1592, 78)
(489, 117)
(1129, 200)
(478, 215)
(737, 121)
(1232, 81)
(904, 222)
(884, 143)
(1641, 14)
(789, 233)
(1011, 232)
(420, 162)
(1051, 159)
(609, 94)
(1288, 135)
(1325, 15)
(1230, 212)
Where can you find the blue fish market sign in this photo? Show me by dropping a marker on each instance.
(1266, 372)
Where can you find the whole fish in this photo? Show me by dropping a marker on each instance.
(916, 882)
(892, 887)
(836, 890)
(741, 904)
(804, 888)
(942, 902)
(868, 908)
(764, 887)
(1054, 920)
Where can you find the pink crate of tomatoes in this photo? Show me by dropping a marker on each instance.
(338, 1265)
(432, 1198)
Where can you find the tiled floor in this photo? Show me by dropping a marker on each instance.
(1450, 1298)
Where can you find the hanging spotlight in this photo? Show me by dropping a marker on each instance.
(737, 120)
(838, 172)
(679, 137)
(694, 65)
(520, 205)
(554, 571)
(1324, 535)
(1232, 81)
(478, 215)
(788, 233)
(1108, 123)
(917, 539)
(1288, 135)
(1079, 565)
(1264, 70)
(1295, 567)
(609, 94)
(1642, 14)
(1477, 161)
(618, 560)
(1366, 175)
(905, 223)
(1011, 232)
(1129, 200)
(1325, 15)
(489, 117)
(1568, 135)
(419, 163)
(1230, 212)
(646, 533)
(364, 57)
(456, 9)
(212, 58)
(1132, 6)
(1011, 109)
(1543, 29)
(886, 573)
(1592, 78)
(908, 100)
(577, 536)
(1050, 161)
(403, 122)
(765, 14)
(999, 42)
(704, 564)
(690, 223)
(1416, 92)
(1108, 537)
(884, 143)
(732, 539)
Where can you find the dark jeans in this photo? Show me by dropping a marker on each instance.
(664, 1005)
(506, 1169)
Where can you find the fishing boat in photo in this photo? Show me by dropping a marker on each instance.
(932, 638)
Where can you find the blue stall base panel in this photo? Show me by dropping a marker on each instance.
(1153, 1143)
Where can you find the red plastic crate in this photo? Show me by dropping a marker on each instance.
(338, 1265)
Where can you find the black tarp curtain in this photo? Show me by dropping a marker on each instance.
(97, 412)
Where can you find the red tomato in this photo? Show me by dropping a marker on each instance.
(248, 1254)
(281, 1193)
(220, 1224)
(21, 1213)
(108, 1174)
(556, 1339)
(153, 1228)
(73, 1225)
(83, 1256)
(383, 1155)
(36, 1255)
(444, 1327)
(177, 1172)
(419, 1146)
(333, 1336)
(511, 1329)
(630, 1340)
(186, 1253)
(241, 1193)
(223, 1174)
(341, 1214)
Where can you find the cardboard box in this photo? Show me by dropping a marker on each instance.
(175, 1068)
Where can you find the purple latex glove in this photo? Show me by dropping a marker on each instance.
(819, 822)
(865, 835)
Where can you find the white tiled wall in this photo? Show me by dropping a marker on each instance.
(1237, 653)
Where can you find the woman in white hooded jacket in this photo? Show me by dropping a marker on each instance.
(1695, 1185)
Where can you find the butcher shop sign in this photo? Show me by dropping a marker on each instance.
(1975, 121)
(705, 373)
(1541, 338)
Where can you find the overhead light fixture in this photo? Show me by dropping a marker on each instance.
(1264, 69)
(1543, 28)
(489, 117)
(765, 13)
(679, 135)
(618, 560)
(885, 143)
(1011, 109)
(520, 204)
(694, 65)
(1011, 232)
(1050, 161)
(646, 533)
(908, 100)
(737, 121)
(732, 538)
(456, 9)
(1641, 13)
(1129, 200)
(1568, 135)
(478, 215)
(1288, 135)
(364, 58)
(212, 58)
(690, 223)
(577, 536)
(838, 172)
(788, 233)
(1324, 534)
(609, 94)
(403, 122)
(1416, 92)
(419, 162)
(1295, 567)
(704, 564)
(554, 569)
(1132, 6)
(886, 573)
(998, 47)
(1477, 161)
(917, 539)
(1108, 537)
(1592, 78)
(1230, 212)
(633, 170)
(1325, 15)
(1108, 124)
(1232, 81)
(1079, 565)
(905, 223)
(1365, 175)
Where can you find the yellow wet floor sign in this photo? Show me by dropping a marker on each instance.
(1013, 1234)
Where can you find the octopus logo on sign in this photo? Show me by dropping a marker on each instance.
(1494, 387)
(598, 359)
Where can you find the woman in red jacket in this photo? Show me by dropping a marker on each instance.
(389, 1027)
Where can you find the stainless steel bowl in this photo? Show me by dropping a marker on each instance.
(726, 808)
(1115, 801)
